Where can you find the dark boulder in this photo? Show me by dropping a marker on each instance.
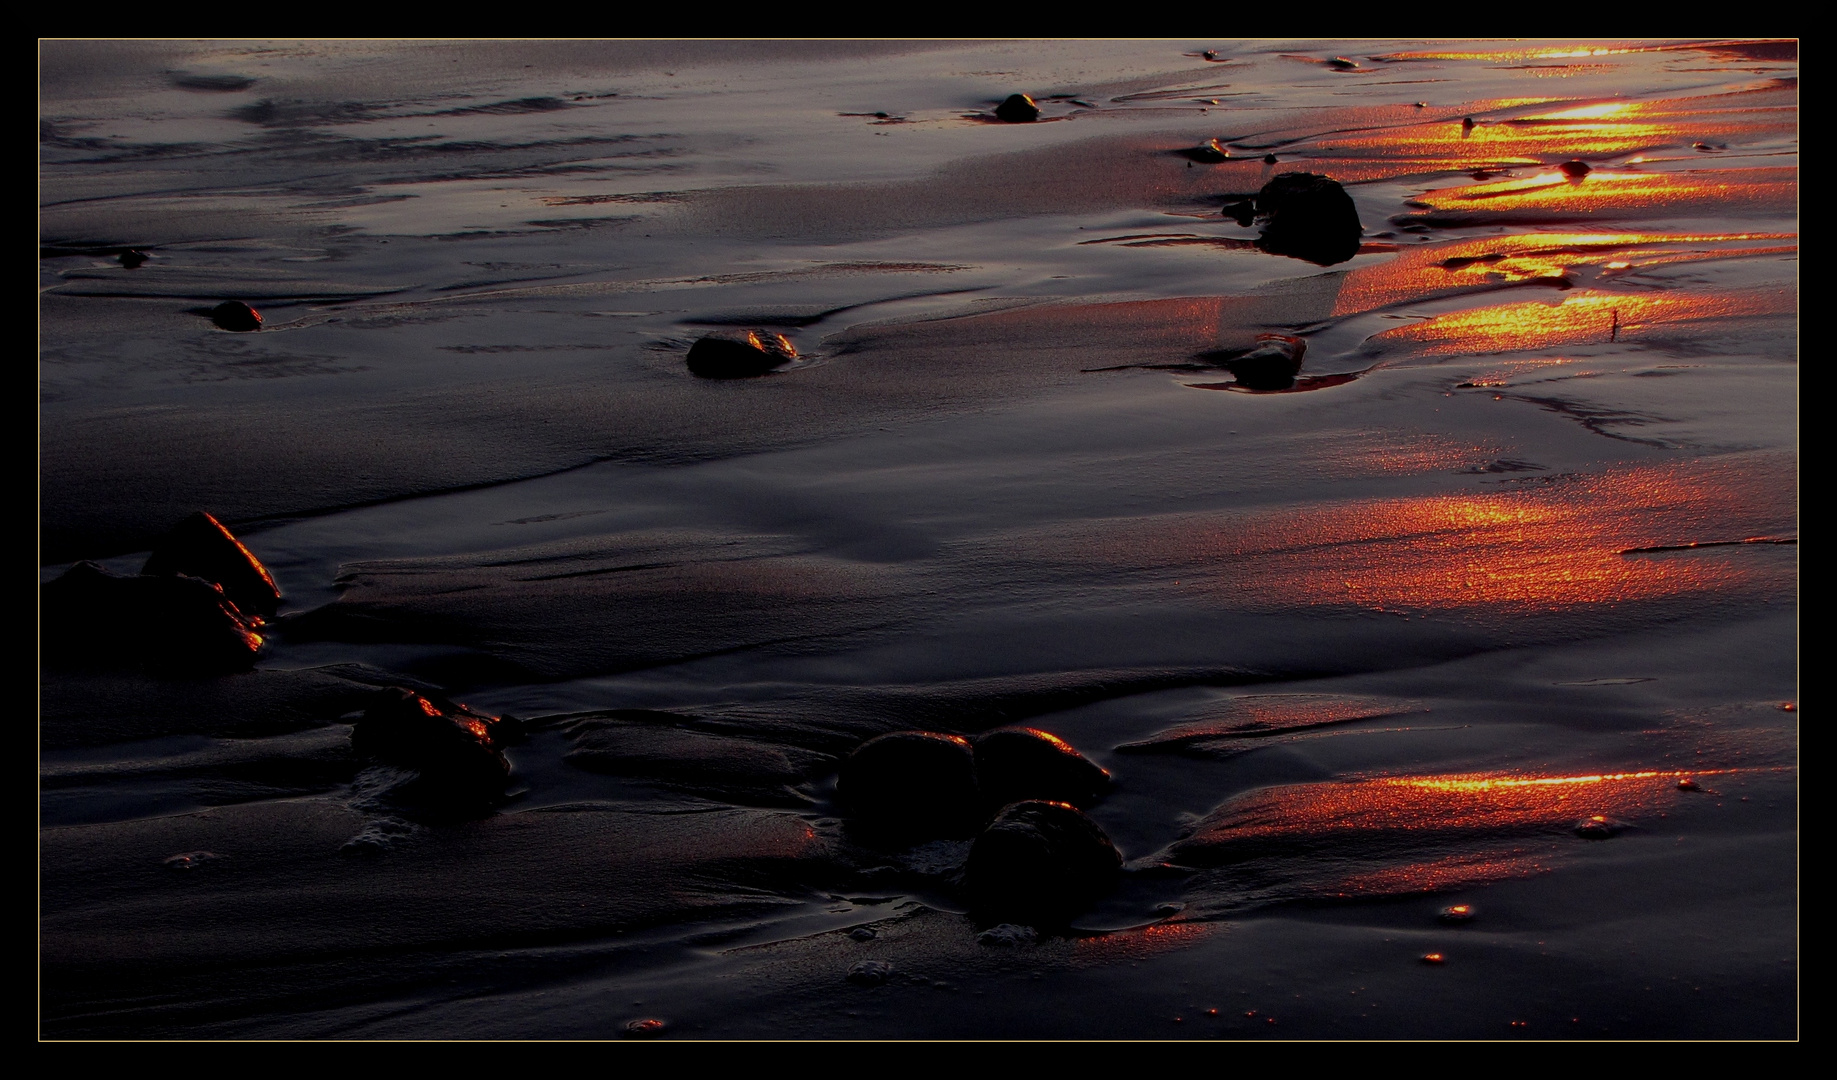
(912, 784)
(1017, 109)
(201, 547)
(91, 617)
(1309, 217)
(1576, 169)
(236, 315)
(1039, 863)
(456, 750)
(1014, 764)
(730, 358)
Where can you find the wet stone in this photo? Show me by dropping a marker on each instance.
(1013, 764)
(1017, 109)
(1457, 913)
(870, 973)
(190, 860)
(1309, 217)
(455, 750)
(1209, 152)
(1039, 863)
(1007, 936)
(132, 259)
(201, 547)
(1598, 828)
(1575, 170)
(1272, 364)
(912, 784)
(92, 617)
(862, 933)
(236, 315)
(648, 1028)
(730, 358)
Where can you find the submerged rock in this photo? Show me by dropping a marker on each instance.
(1025, 763)
(912, 784)
(92, 617)
(1272, 365)
(1310, 217)
(236, 315)
(1017, 109)
(456, 751)
(728, 358)
(1039, 863)
(201, 547)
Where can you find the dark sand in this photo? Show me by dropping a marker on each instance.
(1353, 654)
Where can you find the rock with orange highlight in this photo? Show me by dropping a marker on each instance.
(201, 547)
(1039, 863)
(236, 315)
(92, 617)
(1014, 764)
(1309, 217)
(731, 358)
(455, 750)
(912, 784)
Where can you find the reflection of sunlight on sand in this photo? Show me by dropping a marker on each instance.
(1579, 318)
(1523, 548)
(1441, 269)
(1603, 193)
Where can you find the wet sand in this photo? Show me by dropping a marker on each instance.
(1464, 617)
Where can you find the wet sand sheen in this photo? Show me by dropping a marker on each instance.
(1467, 615)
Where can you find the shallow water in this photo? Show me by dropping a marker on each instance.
(1353, 653)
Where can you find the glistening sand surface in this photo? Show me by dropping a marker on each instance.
(1353, 655)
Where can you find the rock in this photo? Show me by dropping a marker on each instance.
(727, 358)
(648, 1028)
(1341, 63)
(236, 315)
(132, 259)
(1025, 763)
(201, 547)
(1310, 217)
(1575, 170)
(1466, 123)
(91, 617)
(1206, 153)
(912, 784)
(870, 973)
(1039, 863)
(456, 750)
(1269, 159)
(1008, 936)
(1271, 365)
(1018, 109)
(1598, 828)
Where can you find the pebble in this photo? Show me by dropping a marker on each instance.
(90, 616)
(190, 860)
(728, 358)
(1310, 217)
(1459, 913)
(1007, 935)
(1039, 862)
(1209, 152)
(453, 748)
(1271, 365)
(1598, 828)
(870, 973)
(1575, 170)
(236, 315)
(201, 547)
(1017, 109)
(913, 784)
(648, 1028)
(1025, 763)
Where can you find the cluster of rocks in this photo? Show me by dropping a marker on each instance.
(196, 605)
(1036, 857)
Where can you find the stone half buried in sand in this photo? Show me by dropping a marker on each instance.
(201, 547)
(456, 751)
(91, 617)
(739, 358)
(1039, 863)
(236, 315)
(1014, 764)
(1309, 217)
(912, 784)
(1017, 109)
(1210, 152)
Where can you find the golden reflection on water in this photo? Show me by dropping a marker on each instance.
(1582, 317)
(1523, 547)
(1612, 194)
